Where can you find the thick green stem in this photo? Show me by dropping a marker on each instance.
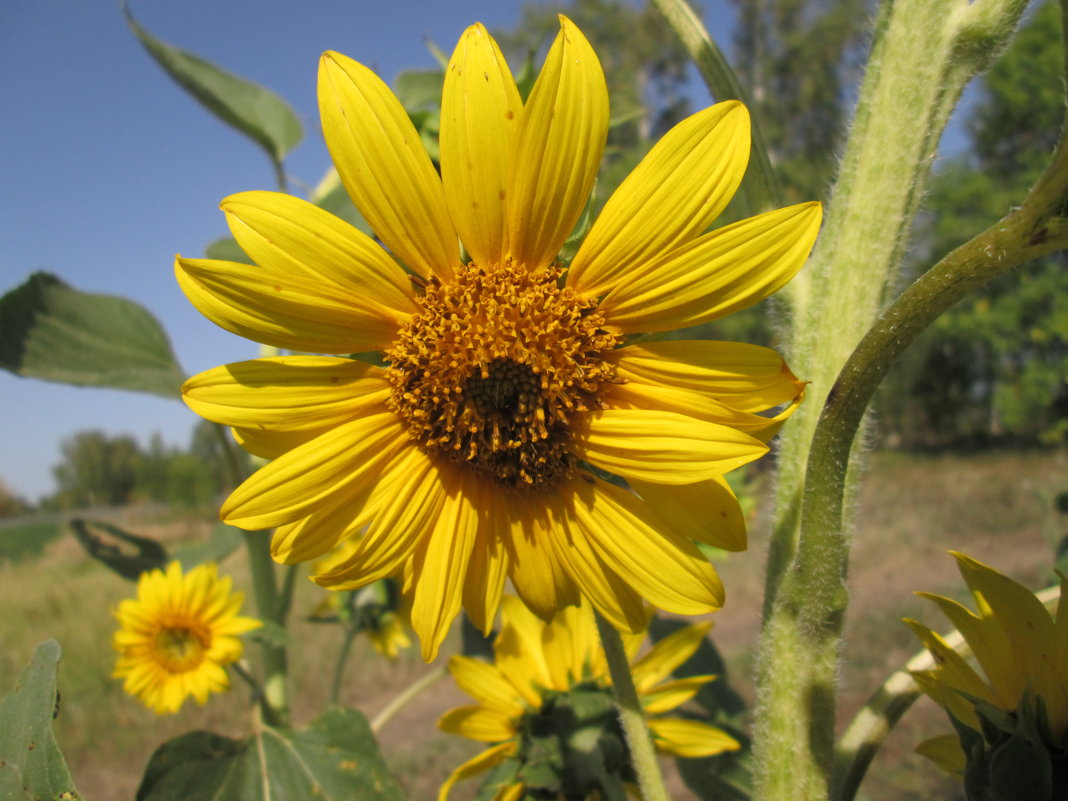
(761, 185)
(923, 54)
(631, 716)
(275, 662)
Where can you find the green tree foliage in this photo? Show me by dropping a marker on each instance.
(98, 470)
(800, 61)
(994, 367)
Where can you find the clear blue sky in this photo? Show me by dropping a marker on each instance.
(109, 169)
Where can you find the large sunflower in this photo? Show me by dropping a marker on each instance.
(176, 638)
(537, 704)
(478, 452)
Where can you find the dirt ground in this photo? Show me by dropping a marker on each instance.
(997, 508)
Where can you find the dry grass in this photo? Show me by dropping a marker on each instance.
(910, 512)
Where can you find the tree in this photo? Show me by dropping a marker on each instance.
(97, 469)
(994, 367)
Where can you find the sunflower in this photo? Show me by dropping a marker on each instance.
(1023, 653)
(549, 686)
(509, 393)
(177, 636)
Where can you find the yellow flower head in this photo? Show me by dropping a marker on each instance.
(1023, 654)
(477, 454)
(177, 636)
(539, 667)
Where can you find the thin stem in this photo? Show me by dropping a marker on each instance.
(280, 175)
(406, 695)
(275, 661)
(342, 658)
(285, 599)
(639, 741)
(233, 465)
(761, 184)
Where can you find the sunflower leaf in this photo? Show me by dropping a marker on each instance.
(252, 109)
(31, 764)
(150, 555)
(334, 758)
(226, 249)
(52, 331)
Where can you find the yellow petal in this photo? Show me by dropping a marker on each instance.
(610, 594)
(536, 573)
(487, 685)
(653, 397)
(329, 524)
(518, 650)
(287, 392)
(272, 444)
(384, 167)
(952, 673)
(286, 234)
(480, 113)
(341, 460)
(440, 562)
(478, 723)
(478, 764)
(404, 505)
(717, 274)
(489, 566)
(673, 694)
(746, 377)
(665, 569)
(561, 139)
(706, 511)
(665, 447)
(945, 751)
(690, 738)
(1027, 626)
(285, 310)
(667, 654)
(673, 195)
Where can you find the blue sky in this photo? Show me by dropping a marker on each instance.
(110, 170)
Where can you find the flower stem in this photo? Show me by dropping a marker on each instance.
(407, 695)
(275, 661)
(639, 741)
(342, 658)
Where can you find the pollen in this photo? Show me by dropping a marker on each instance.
(493, 369)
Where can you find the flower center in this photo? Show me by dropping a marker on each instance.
(180, 647)
(492, 369)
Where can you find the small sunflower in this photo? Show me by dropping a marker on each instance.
(177, 636)
(546, 703)
(1023, 653)
(478, 453)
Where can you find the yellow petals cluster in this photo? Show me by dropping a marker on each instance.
(477, 455)
(177, 636)
(535, 661)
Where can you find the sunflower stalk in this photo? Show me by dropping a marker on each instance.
(631, 716)
(923, 54)
(275, 699)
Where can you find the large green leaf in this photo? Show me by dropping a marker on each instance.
(30, 759)
(252, 109)
(335, 758)
(52, 331)
(127, 554)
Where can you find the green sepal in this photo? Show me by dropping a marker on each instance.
(149, 554)
(334, 758)
(50, 330)
(254, 110)
(31, 764)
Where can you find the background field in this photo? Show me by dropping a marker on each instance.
(997, 507)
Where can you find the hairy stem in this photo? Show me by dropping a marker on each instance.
(406, 696)
(631, 716)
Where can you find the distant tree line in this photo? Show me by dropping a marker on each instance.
(104, 470)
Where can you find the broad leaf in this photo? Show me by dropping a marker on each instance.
(335, 758)
(419, 89)
(30, 759)
(147, 554)
(331, 196)
(252, 109)
(52, 331)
